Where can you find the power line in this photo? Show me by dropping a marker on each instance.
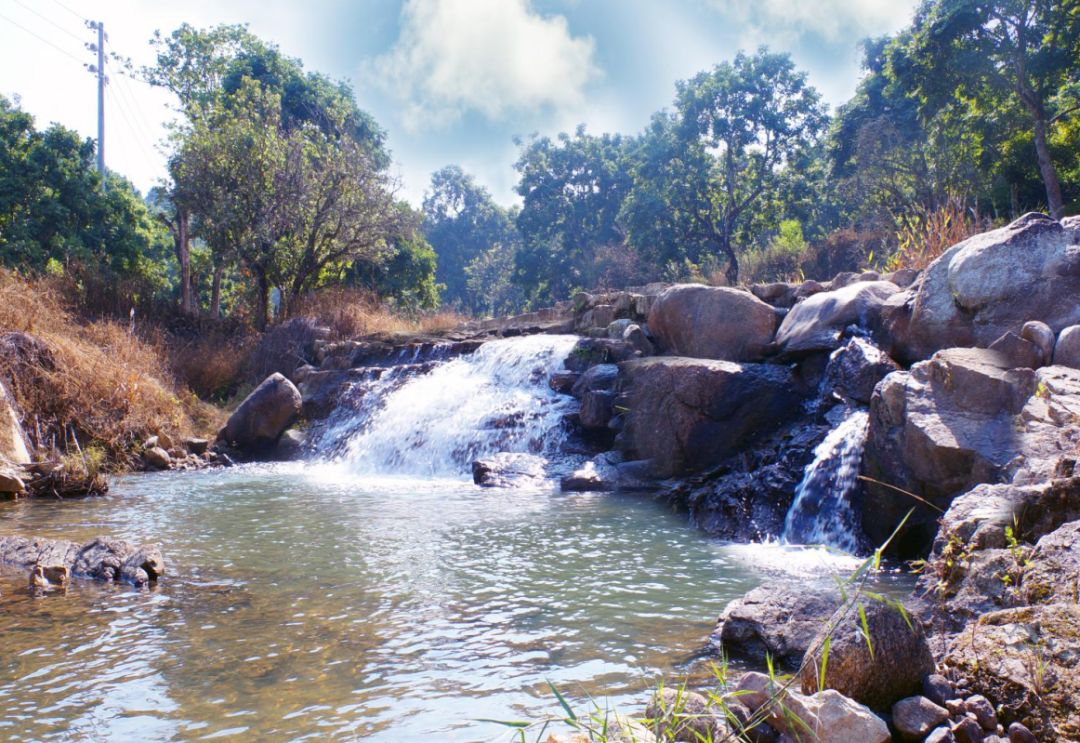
(143, 130)
(82, 18)
(41, 39)
(50, 21)
(138, 135)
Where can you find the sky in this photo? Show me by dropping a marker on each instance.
(452, 81)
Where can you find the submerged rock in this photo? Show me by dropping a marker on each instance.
(102, 558)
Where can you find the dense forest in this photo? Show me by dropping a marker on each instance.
(280, 186)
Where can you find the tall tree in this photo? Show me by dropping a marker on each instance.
(461, 221)
(993, 50)
(735, 129)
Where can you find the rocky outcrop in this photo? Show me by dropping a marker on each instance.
(1027, 661)
(818, 322)
(877, 670)
(963, 418)
(776, 621)
(263, 416)
(103, 558)
(685, 414)
(989, 284)
(710, 322)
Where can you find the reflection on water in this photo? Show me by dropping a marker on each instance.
(302, 606)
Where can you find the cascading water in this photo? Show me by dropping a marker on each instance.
(436, 423)
(821, 512)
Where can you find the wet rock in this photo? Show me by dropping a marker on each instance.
(685, 414)
(157, 458)
(599, 474)
(1067, 348)
(196, 446)
(263, 416)
(818, 322)
(993, 283)
(773, 620)
(900, 659)
(507, 470)
(616, 328)
(49, 578)
(712, 323)
(915, 717)
(855, 369)
(102, 558)
(589, 352)
(682, 715)
(1027, 660)
(563, 381)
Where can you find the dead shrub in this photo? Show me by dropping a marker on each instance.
(924, 234)
(353, 313)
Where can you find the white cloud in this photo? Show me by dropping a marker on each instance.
(832, 19)
(490, 56)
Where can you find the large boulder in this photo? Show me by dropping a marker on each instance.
(1067, 348)
(708, 322)
(263, 416)
(892, 670)
(818, 322)
(1026, 660)
(687, 414)
(12, 442)
(995, 282)
(960, 419)
(776, 621)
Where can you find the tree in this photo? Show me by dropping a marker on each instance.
(461, 221)
(702, 170)
(572, 190)
(991, 51)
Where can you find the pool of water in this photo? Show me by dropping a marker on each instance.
(303, 603)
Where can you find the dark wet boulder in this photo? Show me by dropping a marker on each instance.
(854, 370)
(263, 416)
(508, 470)
(687, 414)
(818, 322)
(776, 621)
(709, 322)
(900, 659)
(995, 282)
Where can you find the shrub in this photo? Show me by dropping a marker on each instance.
(924, 234)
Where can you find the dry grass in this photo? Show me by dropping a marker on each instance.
(212, 363)
(924, 234)
(352, 313)
(87, 385)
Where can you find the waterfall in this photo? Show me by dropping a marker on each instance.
(821, 512)
(435, 423)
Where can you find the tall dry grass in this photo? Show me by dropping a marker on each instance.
(923, 234)
(352, 313)
(93, 384)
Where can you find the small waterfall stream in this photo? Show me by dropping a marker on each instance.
(437, 422)
(821, 512)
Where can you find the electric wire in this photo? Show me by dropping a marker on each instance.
(42, 39)
(50, 21)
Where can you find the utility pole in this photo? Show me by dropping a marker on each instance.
(99, 68)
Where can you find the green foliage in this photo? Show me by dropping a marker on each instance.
(462, 222)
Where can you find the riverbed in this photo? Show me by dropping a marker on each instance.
(304, 602)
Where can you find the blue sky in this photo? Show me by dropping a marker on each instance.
(452, 81)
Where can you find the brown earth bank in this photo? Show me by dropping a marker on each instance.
(714, 399)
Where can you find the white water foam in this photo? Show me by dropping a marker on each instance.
(821, 512)
(494, 400)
